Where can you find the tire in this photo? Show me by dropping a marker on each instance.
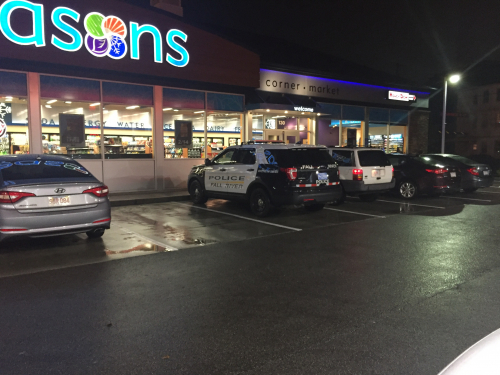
(95, 233)
(340, 200)
(197, 193)
(470, 190)
(260, 204)
(407, 190)
(368, 197)
(314, 207)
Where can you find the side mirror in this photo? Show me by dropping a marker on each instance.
(207, 162)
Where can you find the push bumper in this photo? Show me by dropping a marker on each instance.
(359, 187)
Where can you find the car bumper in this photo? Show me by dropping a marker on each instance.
(308, 196)
(14, 223)
(477, 183)
(359, 187)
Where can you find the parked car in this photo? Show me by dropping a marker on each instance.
(423, 175)
(48, 195)
(364, 172)
(474, 175)
(267, 176)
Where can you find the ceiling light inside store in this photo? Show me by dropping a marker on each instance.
(51, 101)
(8, 98)
(132, 107)
(167, 109)
(95, 104)
(286, 111)
(302, 113)
(258, 115)
(200, 112)
(176, 110)
(68, 102)
(267, 110)
(48, 106)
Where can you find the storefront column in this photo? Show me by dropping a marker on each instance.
(34, 114)
(248, 127)
(158, 147)
(366, 130)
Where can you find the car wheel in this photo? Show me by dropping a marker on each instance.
(197, 193)
(260, 204)
(368, 197)
(314, 207)
(95, 233)
(470, 190)
(340, 200)
(407, 190)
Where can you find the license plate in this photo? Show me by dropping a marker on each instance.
(486, 173)
(59, 201)
(453, 174)
(321, 182)
(378, 172)
(322, 176)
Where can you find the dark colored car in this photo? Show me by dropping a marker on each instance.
(474, 175)
(424, 175)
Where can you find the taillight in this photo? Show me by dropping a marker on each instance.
(100, 191)
(437, 171)
(473, 171)
(357, 174)
(291, 173)
(392, 172)
(13, 196)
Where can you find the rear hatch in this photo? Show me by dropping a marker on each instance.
(376, 167)
(307, 166)
(48, 185)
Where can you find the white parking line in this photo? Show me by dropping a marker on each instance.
(352, 212)
(240, 217)
(412, 204)
(470, 199)
(488, 192)
(167, 247)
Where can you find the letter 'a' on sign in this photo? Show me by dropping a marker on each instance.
(184, 60)
(75, 35)
(38, 36)
(136, 32)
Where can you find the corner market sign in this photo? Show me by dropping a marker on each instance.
(105, 35)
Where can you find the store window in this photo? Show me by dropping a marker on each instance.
(328, 131)
(14, 136)
(194, 119)
(223, 130)
(184, 110)
(257, 126)
(71, 128)
(127, 121)
(71, 116)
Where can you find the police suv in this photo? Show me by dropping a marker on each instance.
(268, 175)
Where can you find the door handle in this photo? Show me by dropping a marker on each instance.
(222, 169)
(250, 170)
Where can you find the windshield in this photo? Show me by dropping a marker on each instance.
(299, 156)
(373, 159)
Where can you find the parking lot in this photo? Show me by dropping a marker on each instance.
(177, 226)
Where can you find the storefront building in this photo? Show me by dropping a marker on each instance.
(314, 110)
(136, 95)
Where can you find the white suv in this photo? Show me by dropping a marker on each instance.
(267, 176)
(363, 172)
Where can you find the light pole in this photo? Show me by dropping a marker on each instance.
(453, 79)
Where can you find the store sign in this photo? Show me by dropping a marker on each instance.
(183, 133)
(303, 109)
(5, 118)
(318, 87)
(105, 35)
(401, 96)
(72, 130)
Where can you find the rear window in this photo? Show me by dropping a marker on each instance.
(433, 160)
(343, 158)
(299, 156)
(462, 159)
(373, 159)
(42, 169)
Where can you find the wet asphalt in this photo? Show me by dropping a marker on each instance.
(363, 288)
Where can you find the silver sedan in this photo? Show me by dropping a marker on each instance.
(48, 195)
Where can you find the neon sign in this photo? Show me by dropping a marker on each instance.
(402, 96)
(105, 35)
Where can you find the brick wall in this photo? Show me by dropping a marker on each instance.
(419, 131)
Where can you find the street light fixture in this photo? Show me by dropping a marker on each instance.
(453, 79)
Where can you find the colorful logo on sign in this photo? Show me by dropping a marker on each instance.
(3, 128)
(105, 35)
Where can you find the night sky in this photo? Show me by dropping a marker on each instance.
(418, 40)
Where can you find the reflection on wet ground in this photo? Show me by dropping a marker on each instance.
(155, 228)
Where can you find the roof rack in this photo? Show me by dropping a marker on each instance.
(261, 141)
